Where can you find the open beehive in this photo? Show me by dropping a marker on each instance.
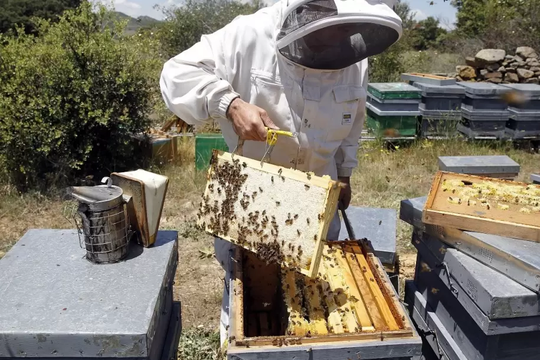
(487, 205)
(351, 300)
(281, 214)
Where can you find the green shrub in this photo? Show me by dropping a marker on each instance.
(71, 97)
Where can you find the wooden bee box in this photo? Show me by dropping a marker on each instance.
(349, 308)
(485, 205)
(281, 214)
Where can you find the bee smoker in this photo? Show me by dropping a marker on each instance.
(103, 224)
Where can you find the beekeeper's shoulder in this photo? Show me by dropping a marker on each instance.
(252, 28)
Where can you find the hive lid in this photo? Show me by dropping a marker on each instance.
(394, 91)
(483, 89)
(54, 303)
(438, 89)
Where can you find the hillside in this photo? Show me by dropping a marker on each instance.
(135, 24)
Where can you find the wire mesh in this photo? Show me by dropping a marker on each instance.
(105, 234)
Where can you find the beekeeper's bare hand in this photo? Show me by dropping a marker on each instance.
(249, 121)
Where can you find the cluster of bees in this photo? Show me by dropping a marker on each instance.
(314, 300)
(256, 231)
(490, 193)
(229, 181)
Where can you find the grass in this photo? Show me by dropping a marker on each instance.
(382, 179)
(431, 61)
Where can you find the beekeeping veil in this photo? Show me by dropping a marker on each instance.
(334, 34)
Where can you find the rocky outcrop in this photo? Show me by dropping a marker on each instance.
(490, 56)
(496, 66)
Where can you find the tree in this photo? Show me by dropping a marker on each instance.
(185, 25)
(20, 12)
(73, 97)
(500, 23)
(388, 67)
(426, 34)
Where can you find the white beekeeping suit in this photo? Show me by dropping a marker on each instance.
(305, 64)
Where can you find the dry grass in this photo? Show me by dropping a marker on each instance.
(382, 179)
(431, 61)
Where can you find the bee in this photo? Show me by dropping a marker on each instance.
(280, 171)
(244, 164)
(315, 237)
(278, 203)
(295, 216)
(272, 178)
(298, 231)
(307, 187)
(307, 220)
(260, 190)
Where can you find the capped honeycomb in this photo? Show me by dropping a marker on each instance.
(280, 214)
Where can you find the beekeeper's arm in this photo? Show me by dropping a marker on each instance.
(346, 156)
(196, 90)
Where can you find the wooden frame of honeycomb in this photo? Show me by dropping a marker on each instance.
(281, 214)
(488, 205)
(351, 300)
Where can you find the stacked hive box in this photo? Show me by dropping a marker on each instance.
(496, 166)
(524, 112)
(535, 178)
(440, 108)
(56, 304)
(474, 296)
(483, 110)
(392, 109)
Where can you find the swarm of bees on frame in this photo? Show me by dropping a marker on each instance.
(313, 299)
(256, 230)
(489, 194)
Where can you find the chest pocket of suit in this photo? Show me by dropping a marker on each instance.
(270, 94)
(348, 101)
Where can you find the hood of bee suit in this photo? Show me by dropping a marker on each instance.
(334, 34)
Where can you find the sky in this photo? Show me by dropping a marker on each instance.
(440, 9)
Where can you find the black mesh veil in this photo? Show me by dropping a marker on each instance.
(335, 46)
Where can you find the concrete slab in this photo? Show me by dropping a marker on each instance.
(376, 225)
(497, 295)
(474, 343)
(55, 303)
(429, 325)
(517, 259)
(535, 178)
(478, 165)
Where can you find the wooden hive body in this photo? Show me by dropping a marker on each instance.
(486, 205)
(350, 304)
(281, 214)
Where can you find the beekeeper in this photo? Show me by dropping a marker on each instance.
(297, 65)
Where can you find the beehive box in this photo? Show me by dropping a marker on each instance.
(279, 213)
(487, 205)
(516, 259)
(349, 307)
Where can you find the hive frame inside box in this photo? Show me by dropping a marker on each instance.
(372, 344)
(309, 201)
(509, 222)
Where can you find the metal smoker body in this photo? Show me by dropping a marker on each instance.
(105, 224)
